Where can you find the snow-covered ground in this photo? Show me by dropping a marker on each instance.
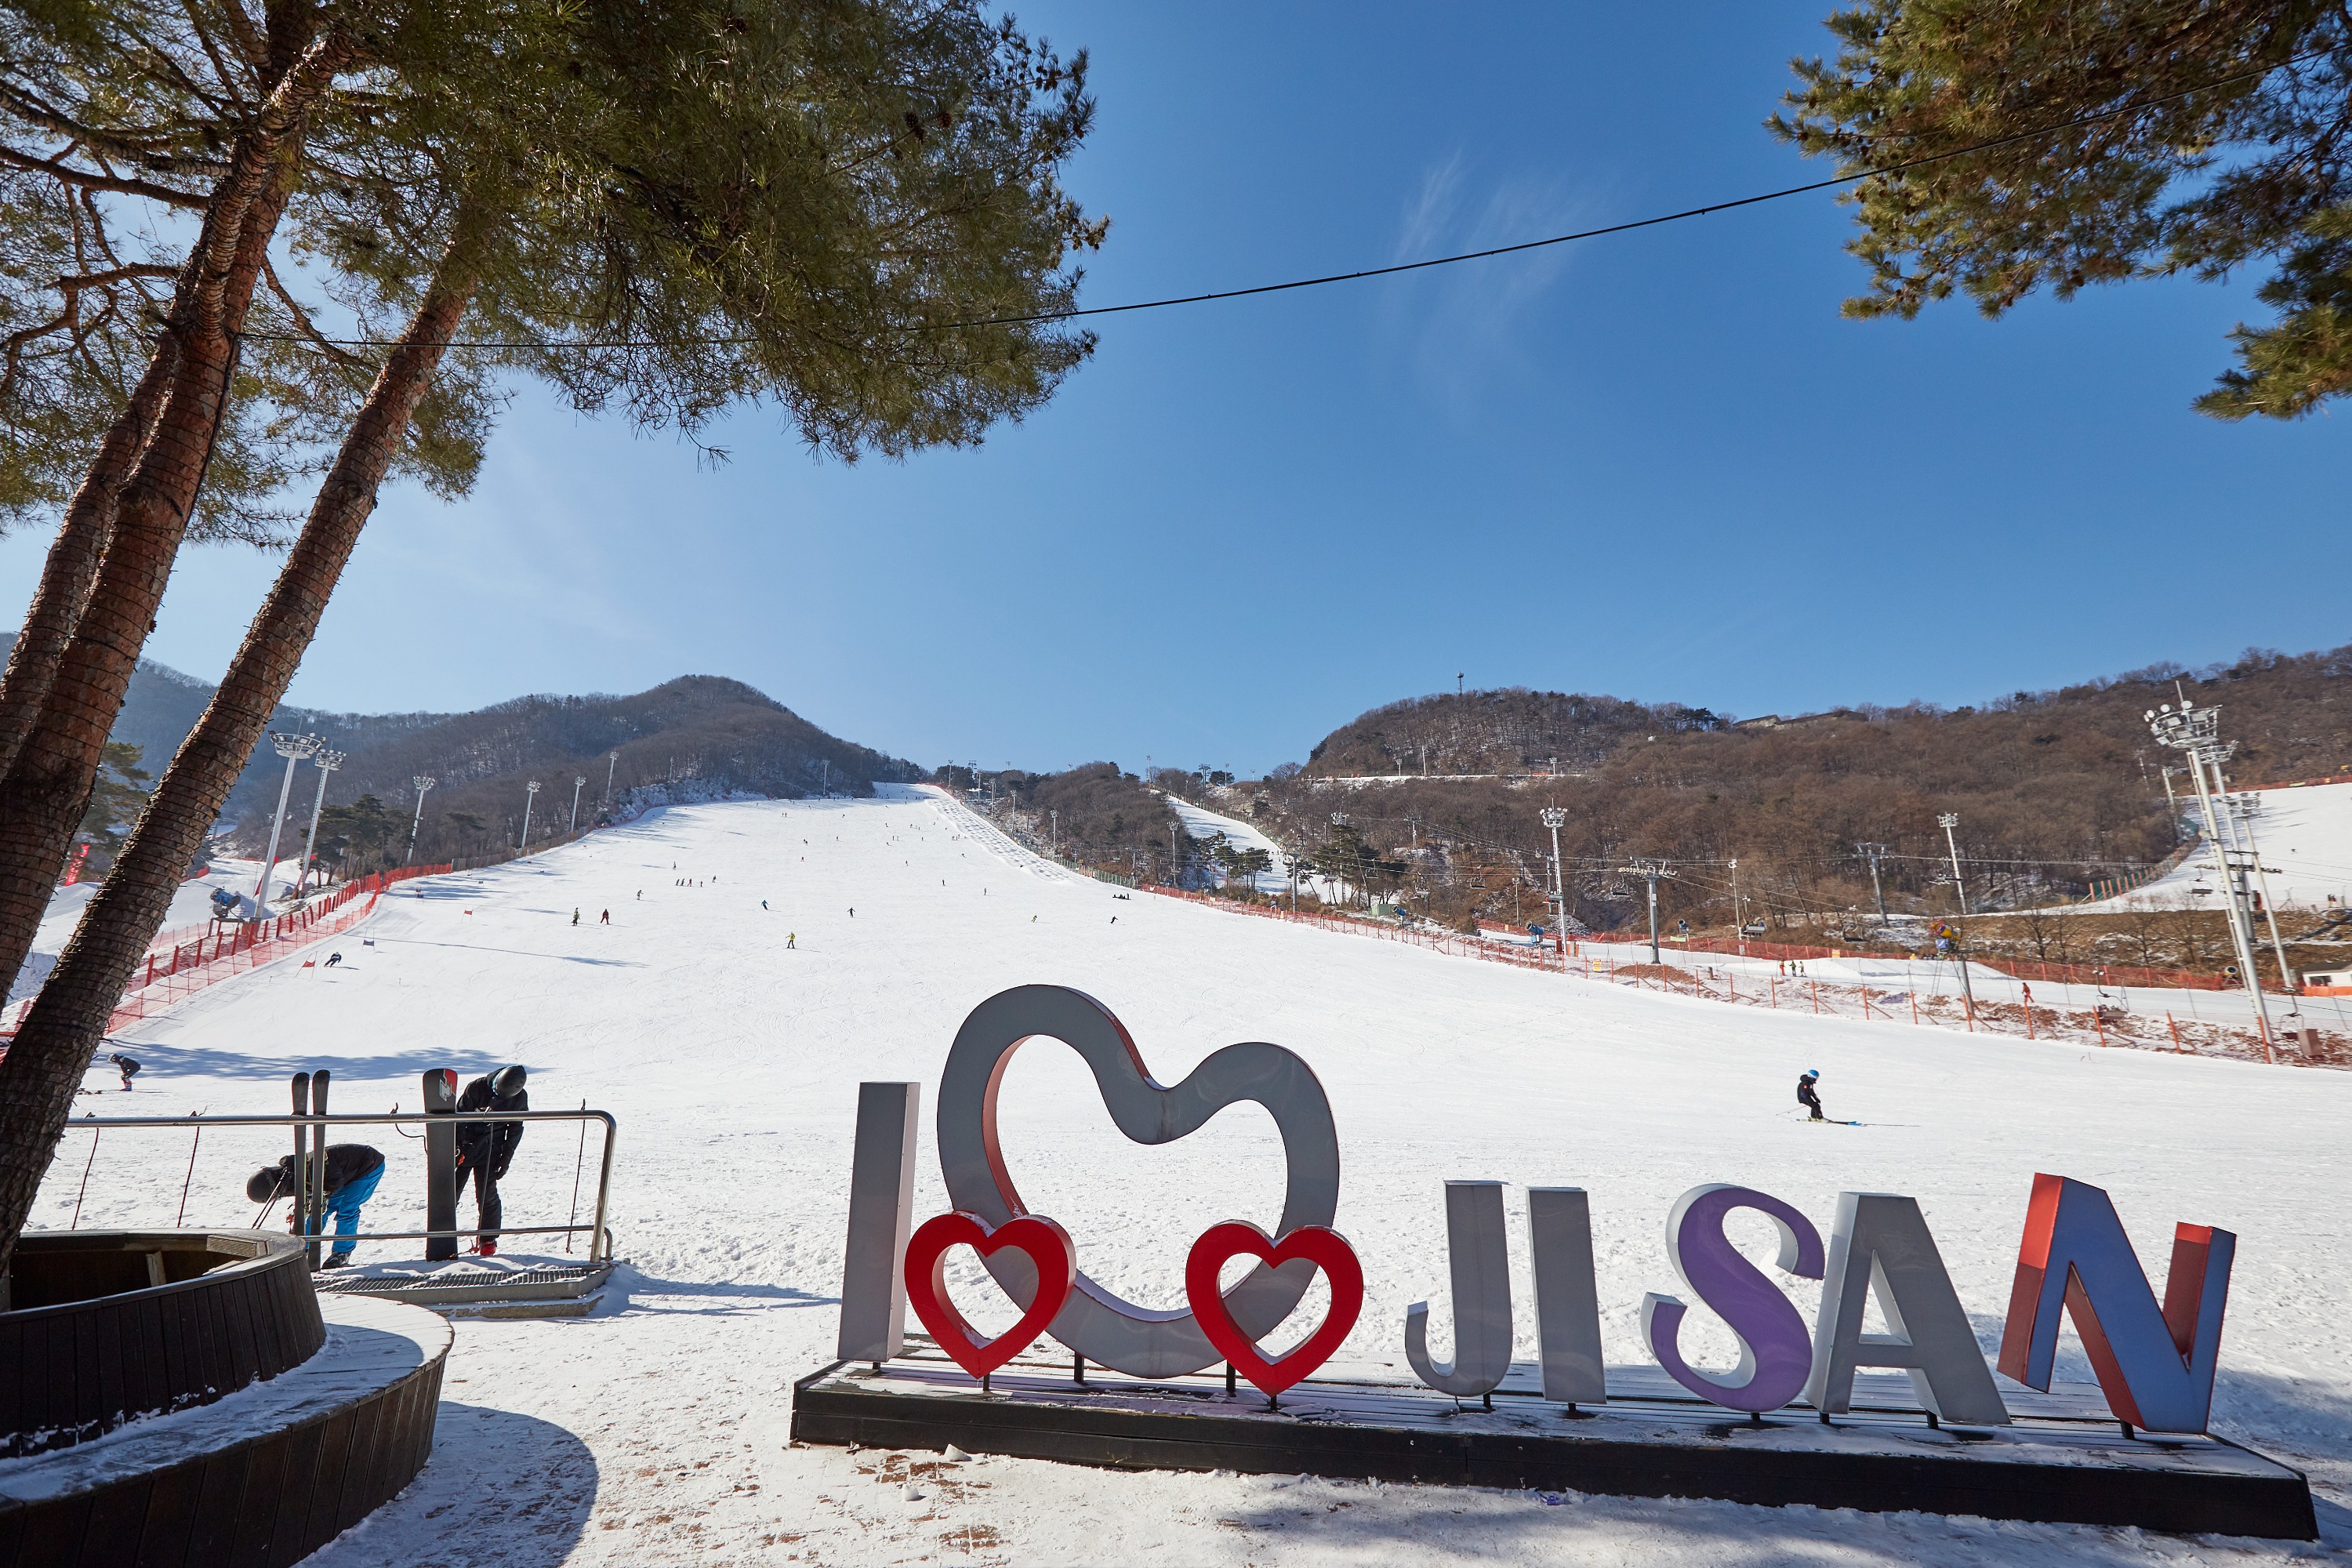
(1202, 822)
(2305, 834)
(654, 1431)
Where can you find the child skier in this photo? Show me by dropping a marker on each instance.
(1805, 1095)
(128, 1069)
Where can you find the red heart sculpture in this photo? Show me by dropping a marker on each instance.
(1319, 1245)
(1048, 1246)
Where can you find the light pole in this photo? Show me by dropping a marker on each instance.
(524, 848)
(2195, 732)
(1948, 822)
(1874, 851)
(422, 782)
(293, 748)
(578, 780)
(610, 763)
(1553, 816)
(1652, 870)
(326, 762)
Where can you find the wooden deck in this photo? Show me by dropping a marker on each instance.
(2064, 1460)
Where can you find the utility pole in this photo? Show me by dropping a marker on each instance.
(824, 775)
(1054, 838)
(1948, 822)
(524, 848)
(578, 780)
(326, 762)
(293, 748)
(1874, 851)
(422, 782)
(1651, 871)
(1553, 816)
(2196, 733)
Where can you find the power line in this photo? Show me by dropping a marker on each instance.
(1626, 228)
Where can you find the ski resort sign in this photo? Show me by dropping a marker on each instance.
(2155, 1362)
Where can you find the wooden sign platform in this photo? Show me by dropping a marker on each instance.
(2064, 1460)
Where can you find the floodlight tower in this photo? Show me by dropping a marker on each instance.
(326, 762)
(2197, 732)
(610, 763)
(293, 748)
(1948, 821)
(1874, 851)
(421, 782)
(524, 848)
(1553, 816)
(1651, 871)
(578, 780)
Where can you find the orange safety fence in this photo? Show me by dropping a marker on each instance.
(170, 975)
(2115, 1023)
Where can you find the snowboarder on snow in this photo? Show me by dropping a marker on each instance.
(606, 919)
(484, 1149)
(1805, 1095)
(352, 1172)
(575, 916)
(790, 939)
(127, 1067)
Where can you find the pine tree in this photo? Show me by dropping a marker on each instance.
(2138, 138)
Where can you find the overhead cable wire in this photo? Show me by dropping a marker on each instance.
(1075, 313)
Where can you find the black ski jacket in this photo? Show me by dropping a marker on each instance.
(346, 1163)
(489, 1144)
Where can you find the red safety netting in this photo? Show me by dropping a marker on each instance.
(179, 967)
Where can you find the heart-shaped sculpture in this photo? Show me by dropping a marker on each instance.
(1094, 1322)
(1324, 1248)
(1051, 1257)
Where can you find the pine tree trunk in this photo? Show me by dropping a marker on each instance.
(44, 1066)
(48, 782)
(72, 564)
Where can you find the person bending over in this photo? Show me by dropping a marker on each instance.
(352, 1172)
(1805, 1095)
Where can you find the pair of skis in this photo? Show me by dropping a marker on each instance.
(311, 1159)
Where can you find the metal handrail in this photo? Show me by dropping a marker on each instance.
(598, 1236)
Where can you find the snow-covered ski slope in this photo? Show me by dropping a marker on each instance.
(2304, 834)
(653, 1432)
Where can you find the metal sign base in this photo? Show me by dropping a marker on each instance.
(2063, 1459)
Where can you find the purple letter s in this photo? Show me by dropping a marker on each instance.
(1776, 1353)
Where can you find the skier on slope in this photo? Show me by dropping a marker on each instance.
(1805, 1095)
(484, 1149)
(126, 1067)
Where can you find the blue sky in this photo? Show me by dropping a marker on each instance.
(1659, 465)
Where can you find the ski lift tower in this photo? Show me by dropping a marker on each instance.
(2197, 731)
(293, 748)
(2244, 809)
(1651, 871)
(1553, 816)
(1872, 852)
